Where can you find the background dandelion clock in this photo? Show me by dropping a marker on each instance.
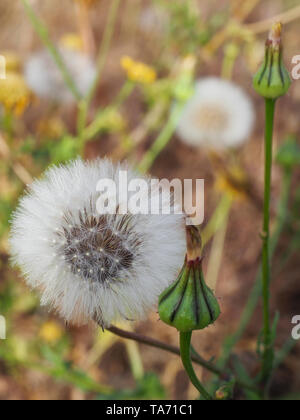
(89, 265)
(219, 115)
(46, 80)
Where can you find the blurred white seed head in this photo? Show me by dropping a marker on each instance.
(220, 115)
(46, 80)
(153, 21)
(87, 265)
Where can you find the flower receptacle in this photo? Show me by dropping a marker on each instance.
(189, 304)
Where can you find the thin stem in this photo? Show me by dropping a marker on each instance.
(162, 346)
(185, 352)
(240, 15)
(85, 28)
(216, 255)
(284, 352)
(123, 94)
(162, 140)
(19, 170)
(44, 35)
(256, 291)
(243, 9)
(268, 355)
(148, 123)
(104, 49)
(196, 358)
(264, 25)
(88, 132)
(135, 360)
(107, 37)
(217, 220)
(81, 124)
(229, 61)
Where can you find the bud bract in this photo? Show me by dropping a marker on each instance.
(189, 304)
(273, 80)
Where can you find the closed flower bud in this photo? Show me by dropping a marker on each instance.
(273, 80)
(189, 304)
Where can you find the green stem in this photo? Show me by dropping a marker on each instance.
(217, 249)
(162, 140)
(268, 354)
(217, 220)
(135, 360)
(85, 132)
(124, 93)
(185, 352)
(256, 291)
(104, 49)
(284, 352)
(229, 61)
(196, 358)
(44, 35)
(81, 123)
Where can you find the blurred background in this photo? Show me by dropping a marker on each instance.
(44, 359)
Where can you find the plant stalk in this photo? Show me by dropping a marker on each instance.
(43, 33)
(185, 352)
(196, 358)
(84, 105)
(162, 140)
(268, 352)
(104, 49)
(257, 289)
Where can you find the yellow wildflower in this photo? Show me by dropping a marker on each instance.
(14, 93)
(12, 61)
(51, 332)
(72, 41)
(138, 72)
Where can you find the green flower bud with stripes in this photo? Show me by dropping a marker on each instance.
(273, 80)
(189, 304)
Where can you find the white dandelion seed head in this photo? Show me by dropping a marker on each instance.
(87, 265)
(220, 115)
(153, 20)
(46, 80)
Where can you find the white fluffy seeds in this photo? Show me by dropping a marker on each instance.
(46, 81)
(220, 115)
(109, 267)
